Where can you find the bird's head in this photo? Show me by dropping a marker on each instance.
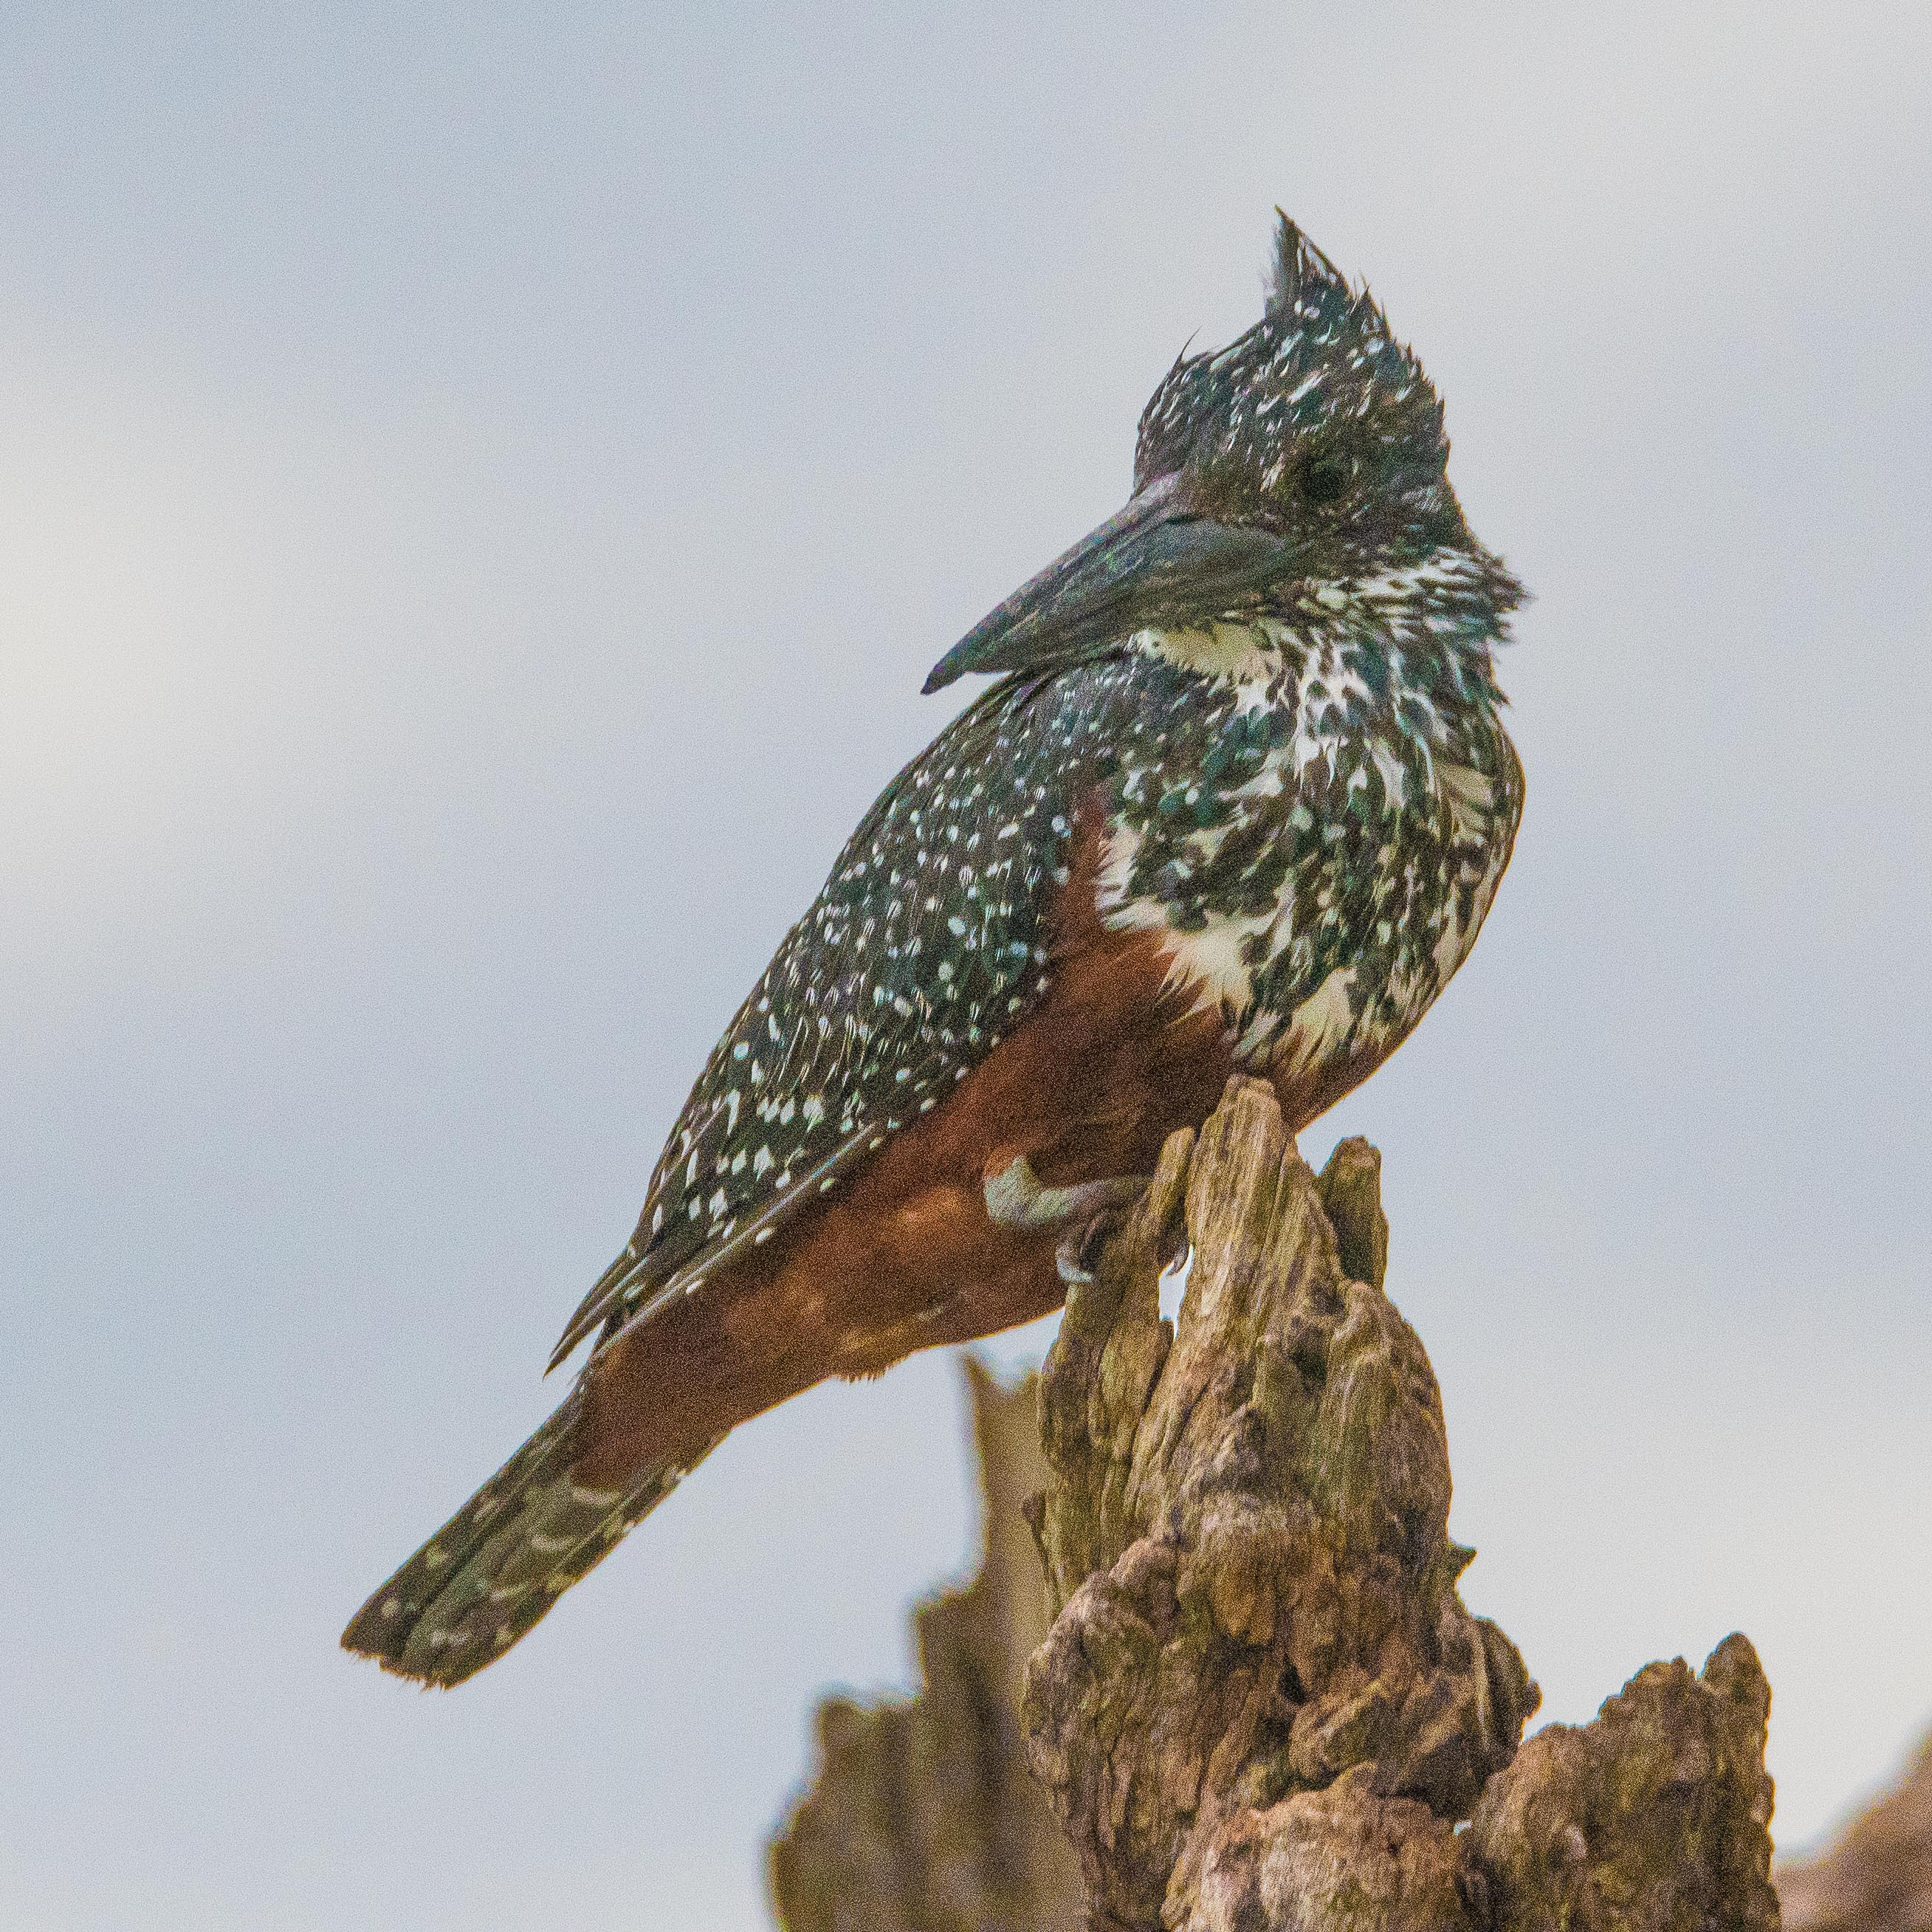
(1309, 452)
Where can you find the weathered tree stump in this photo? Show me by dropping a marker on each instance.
(1262, 1704)
(922, 1816)
(1877, 1877)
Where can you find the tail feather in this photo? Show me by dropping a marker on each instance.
(493, 1570)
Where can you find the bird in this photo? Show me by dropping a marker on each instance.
(1237, 801)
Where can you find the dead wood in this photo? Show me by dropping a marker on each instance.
(1261, 1703)
(921, 1816)
(1877, 1876)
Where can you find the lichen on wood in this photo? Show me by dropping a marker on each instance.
(1263, 1702)
(1262, 1706)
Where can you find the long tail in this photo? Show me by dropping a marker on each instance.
(492, 1571)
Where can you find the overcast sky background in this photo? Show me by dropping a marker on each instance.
(480, 488)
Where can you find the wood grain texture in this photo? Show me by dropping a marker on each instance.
(1263, 1704)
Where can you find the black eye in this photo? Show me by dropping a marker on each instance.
(1323, 478)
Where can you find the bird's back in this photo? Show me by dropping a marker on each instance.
(1242, 799)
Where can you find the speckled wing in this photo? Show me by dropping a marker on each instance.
(927, 944)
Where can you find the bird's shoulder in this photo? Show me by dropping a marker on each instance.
(929, 941)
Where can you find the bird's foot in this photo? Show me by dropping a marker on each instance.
(1082, 1215)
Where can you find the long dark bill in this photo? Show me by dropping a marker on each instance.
(1156, 562)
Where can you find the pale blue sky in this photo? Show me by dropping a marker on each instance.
(480, 488)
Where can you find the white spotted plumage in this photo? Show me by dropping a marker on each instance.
(1266, 689)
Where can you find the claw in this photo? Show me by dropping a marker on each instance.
(1080, 1214)
(1073, 1259)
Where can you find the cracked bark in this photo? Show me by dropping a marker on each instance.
(1262, 1704)
(921, 1816)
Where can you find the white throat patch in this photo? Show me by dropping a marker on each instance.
(1238, 653)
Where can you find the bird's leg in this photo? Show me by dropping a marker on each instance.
(1080, 1214)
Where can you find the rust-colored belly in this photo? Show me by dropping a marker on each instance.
(1088, 1086)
